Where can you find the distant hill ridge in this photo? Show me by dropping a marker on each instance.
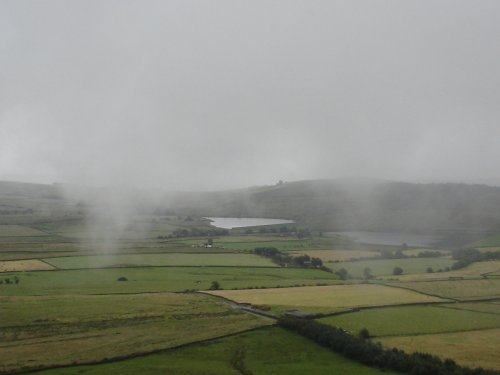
(323, 204)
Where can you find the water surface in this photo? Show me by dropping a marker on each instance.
(240, 222)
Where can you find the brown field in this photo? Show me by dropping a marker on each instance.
(340, 255)
(326, 298)
(24, 265)
(473, 348)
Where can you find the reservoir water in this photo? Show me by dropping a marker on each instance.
(240, 222)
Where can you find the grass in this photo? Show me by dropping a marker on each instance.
(285, 243)
(486, 307)
(24, 265)
(56, 330)
(474, 348)
(474, 270)
(181, 259)
(326, 298)
(493, 240)
(385, 267)
(19, 231)
(266, 351)
(457, 289)
(413, 320)
(333, 255)
(158, 279)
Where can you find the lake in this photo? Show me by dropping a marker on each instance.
(392, 238)
(240, 222)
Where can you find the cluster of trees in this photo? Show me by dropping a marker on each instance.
(8, 280)
(360, 349)
(284, 259)
(196, 232)
(464, 257)
(300, 233)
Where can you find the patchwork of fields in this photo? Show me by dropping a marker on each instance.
(267, 351)
(42, 331)
(66, 304)
(327, 299)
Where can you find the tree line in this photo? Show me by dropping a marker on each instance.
(464, 257)
(289, 260)
(360, 349)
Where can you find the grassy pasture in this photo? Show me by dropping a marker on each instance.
(285, 243)
(413, 320)
(19, 231)
(457, 289)
(326, 298)
(384, 267)
(473, 348)
(333, 255)
(158, 279)
(474, 270)
(265, 351)
(44, 331)
(24, 265)
(172, 259)
(493, 240)
(486, 307)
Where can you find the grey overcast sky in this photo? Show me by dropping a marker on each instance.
(221, 94)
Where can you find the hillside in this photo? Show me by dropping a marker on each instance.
(322, 204)
(365, 205)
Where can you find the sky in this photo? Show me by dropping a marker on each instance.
(205, 95)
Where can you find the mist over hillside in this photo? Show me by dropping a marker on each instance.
(321, 204)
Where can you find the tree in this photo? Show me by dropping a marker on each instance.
(397, 271)
(210, 241)
(364, 334)
(342, 274)
(215, 285)
(367, 273)
(429, 270)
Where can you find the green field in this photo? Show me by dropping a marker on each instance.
(324, 299)
(19, 231)
(413, 320)
(492, 307)
(158, 279)
(55, 330)
(458, 289)
(472, 271)
(282, 245)
(385, 267)
(262, 352)
(172, 259)
(493, 240)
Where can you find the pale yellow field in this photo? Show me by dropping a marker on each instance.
(473, 349)
(24, 265)
(486, 249)
(473, 271)
(340, 255)
(459, 289)
(332, 297)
